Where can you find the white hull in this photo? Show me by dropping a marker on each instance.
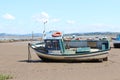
(116, 41)
(75, 57)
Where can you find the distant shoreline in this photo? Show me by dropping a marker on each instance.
(19, 40)
(9, 40)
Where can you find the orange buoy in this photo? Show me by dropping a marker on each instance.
(56, 34)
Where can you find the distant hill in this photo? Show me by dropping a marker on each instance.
(77, 34)
(93, 33)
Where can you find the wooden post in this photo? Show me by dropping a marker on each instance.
(29, 54)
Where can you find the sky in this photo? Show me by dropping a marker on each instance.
(68, 16)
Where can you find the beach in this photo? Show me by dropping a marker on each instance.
(13, 61)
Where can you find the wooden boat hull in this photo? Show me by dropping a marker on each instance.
(74, 57)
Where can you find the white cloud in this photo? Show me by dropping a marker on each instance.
(42, 17)
(8, 16)
(70, 22)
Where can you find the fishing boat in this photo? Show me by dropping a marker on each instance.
(57, 48)
(116, 42)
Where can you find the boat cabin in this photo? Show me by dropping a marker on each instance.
(55, 44)
(60, 46)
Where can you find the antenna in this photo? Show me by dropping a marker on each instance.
(44, 29)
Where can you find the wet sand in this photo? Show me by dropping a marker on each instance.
(13, 61)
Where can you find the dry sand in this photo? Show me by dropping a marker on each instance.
(13, 57)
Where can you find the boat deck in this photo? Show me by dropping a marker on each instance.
(73, 51)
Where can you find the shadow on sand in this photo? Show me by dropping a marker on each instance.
(31, 61)
(40, 61)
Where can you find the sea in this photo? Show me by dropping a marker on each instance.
(17, 37)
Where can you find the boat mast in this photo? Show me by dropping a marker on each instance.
(44, 29)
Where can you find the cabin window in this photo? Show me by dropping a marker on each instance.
(48, 44)
(52, 44)
(56, 45)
